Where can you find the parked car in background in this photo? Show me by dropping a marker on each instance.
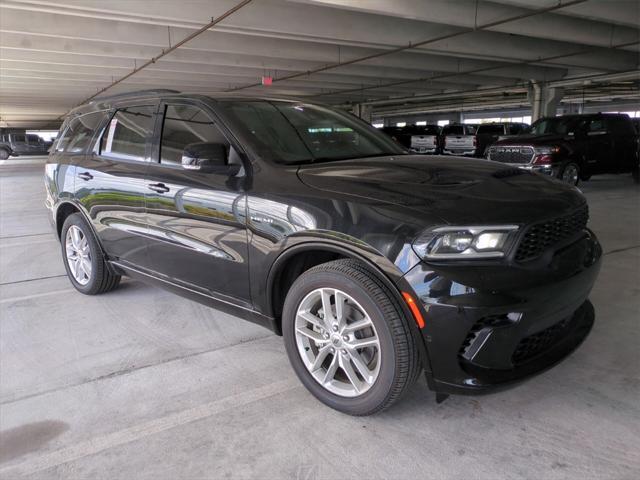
(375, 265)
(399, 134)
(17, 143)
(489, 133)
(573, 147)
(458, 139)
(424, 139)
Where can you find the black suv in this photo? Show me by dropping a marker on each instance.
(374, 264)
(20, 143)
(573, 147)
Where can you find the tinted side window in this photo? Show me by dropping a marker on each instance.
(19, 138)
(127, 133)
(597, 125)
(77, 137)
(183, 125)
(620, 126)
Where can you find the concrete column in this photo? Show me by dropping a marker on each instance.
(363, 111)
(544, 100)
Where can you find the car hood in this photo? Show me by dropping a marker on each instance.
(531, 139)
(458, 190)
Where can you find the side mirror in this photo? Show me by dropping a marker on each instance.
(207, 158)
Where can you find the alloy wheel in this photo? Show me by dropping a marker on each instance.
(570, 174)
(337, 342)
(78, 255)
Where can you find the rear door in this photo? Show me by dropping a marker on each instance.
(599, 147)
(110, 183)
(624, 143)
(197, 221)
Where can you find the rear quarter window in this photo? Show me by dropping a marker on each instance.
(79, 132)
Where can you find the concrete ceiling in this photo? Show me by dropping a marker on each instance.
(55, 54)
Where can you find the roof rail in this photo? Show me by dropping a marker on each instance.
(135, 94)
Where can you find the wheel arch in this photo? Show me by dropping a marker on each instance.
(63, 211)
(297, 259)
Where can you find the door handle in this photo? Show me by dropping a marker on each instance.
(158, 187)
(85, 176)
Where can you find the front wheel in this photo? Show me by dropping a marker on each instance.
(4, 154)
(570, 173)
(348, 339)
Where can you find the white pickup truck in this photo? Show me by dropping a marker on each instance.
(459, 139)
(424, 139)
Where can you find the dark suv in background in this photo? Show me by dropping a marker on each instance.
(489, 133)
(21, 143)
(373, 263)
(573, 147)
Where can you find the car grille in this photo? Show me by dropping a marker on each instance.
(511, 154)
(533, 345)
(541, 236)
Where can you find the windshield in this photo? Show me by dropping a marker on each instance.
(289, 132)
(557, 125)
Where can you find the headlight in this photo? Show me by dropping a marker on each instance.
(546, 150)
(465, 242)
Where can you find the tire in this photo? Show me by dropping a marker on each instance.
(99, 278)
(569, 173)
(394, 362)
(4, 154)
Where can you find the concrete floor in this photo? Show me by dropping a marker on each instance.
(140, 383)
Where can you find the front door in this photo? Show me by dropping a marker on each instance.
(197, 222)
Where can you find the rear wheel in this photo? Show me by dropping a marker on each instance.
(348, 339)
(4, 153)
(83, 259)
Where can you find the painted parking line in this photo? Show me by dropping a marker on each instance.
(146, 429)
(37, 295)
(25, 244)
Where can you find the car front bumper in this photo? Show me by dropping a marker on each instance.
(543, 169)
(487, 328)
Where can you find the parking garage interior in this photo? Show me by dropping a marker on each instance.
(140, 383)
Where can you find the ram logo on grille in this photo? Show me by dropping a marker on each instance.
(511, 154)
